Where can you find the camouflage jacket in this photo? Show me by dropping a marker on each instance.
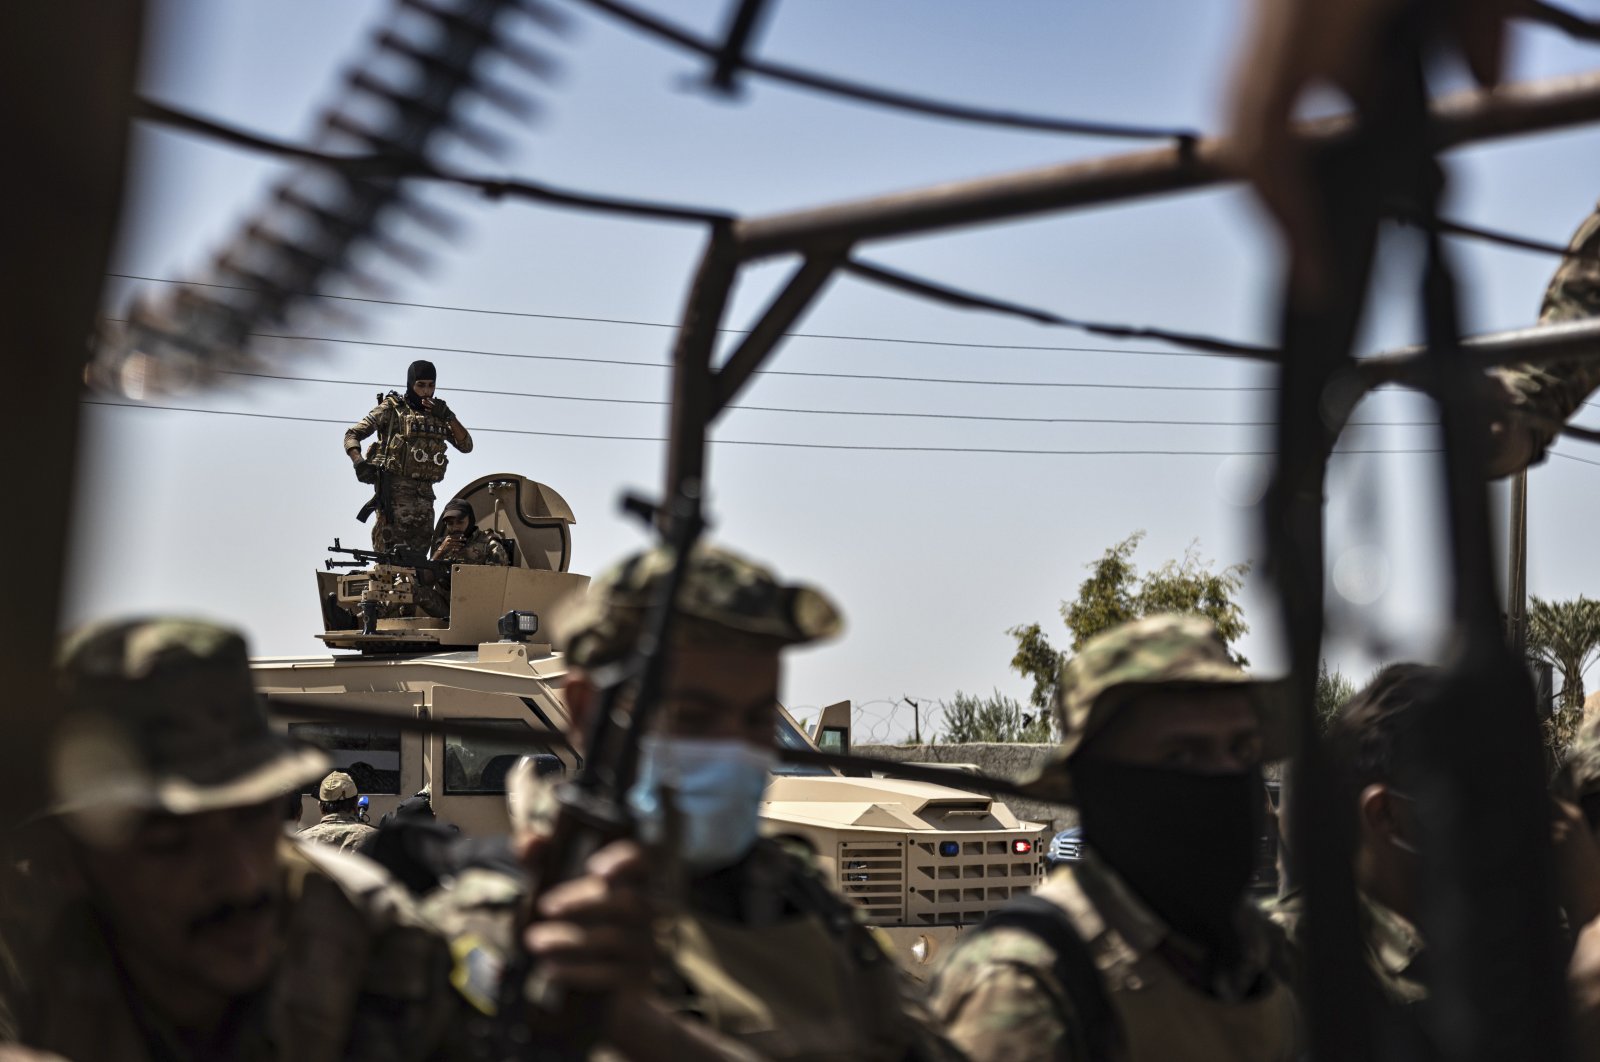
(763, 953)
(479, 547)
(361, 977)
(341, 829)
(1391, 945)
(1546, 395)
(999, 997)
(411, 442)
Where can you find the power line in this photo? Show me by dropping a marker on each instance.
(1569, 457)
(763, 372)
(896, 100)
(772, 443)
(840, 412)
(943, 293)
(416, 168)
(673, 325)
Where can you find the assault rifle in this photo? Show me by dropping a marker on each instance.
(592, 807)
(399, 558)
(380, 501)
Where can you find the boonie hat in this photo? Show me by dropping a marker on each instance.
(336, 787)
(724, 599)
(160, 714)
(1162, 651)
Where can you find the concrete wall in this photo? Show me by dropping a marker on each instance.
(1009, 761)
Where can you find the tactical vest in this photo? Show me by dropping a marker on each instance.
(812, 987)
(413, 444)
(1161, 1017)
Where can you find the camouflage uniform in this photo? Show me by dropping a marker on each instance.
(162, 717)
(1392, 946)
(478, 547)
(340, 829)
(999, 994)
(761, 952)
(1544, 396)
(412, 450)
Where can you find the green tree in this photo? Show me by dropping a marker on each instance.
(995, 718)
(1333, 690)
(1565, 634)
(1115, 592)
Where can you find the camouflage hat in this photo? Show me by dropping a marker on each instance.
(161, 715)
(336, 787)
(1167, 650)
(724, 599)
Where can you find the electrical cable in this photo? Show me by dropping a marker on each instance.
(767, 372)
(943, 293)
(838, 412)
(382, 165)
(768, 442)
(673, 325)
(903, 101)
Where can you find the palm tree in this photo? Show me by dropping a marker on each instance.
(1565, 634)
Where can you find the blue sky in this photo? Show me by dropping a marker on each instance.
(932, 555)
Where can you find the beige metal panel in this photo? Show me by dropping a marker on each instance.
(397, 702)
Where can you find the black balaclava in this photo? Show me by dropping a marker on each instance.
(418, 370)
(1184, 842)
(460, 505)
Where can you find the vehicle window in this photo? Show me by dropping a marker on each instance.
(370, 755)
(479, 764)
(790, 738)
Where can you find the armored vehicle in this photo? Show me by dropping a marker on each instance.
(919, 860)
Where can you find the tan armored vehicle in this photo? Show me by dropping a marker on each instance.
(919, 860)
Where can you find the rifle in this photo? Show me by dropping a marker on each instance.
(380, 501)
(592, 807)
(398, 558)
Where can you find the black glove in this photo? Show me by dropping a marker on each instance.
(366, 471)
(442, 411)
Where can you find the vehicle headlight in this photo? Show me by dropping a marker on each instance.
(922, 950)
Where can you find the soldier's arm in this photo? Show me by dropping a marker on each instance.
(1002, 1005)
(361, 429)
(1542, 397)
(459, 435)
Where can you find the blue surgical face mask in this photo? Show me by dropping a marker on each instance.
(716, 787)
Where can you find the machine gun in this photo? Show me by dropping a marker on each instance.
(398, 558)
(592, 806)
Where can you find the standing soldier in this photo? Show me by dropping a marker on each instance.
(757, 957)
(407, 459)
(1146, 950)
(339, 825)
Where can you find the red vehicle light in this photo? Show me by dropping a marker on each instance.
(1021, 847)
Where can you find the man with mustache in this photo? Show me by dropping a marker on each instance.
(192, 927)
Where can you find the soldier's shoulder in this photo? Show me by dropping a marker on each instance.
(367, 888)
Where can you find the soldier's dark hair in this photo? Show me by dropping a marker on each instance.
(334, 807)
(1374, 738)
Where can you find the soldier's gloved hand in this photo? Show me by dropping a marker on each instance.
(594, 934)
(366, 471)
(442, 411)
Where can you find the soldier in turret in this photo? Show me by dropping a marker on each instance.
(463, 542)
(409, 456)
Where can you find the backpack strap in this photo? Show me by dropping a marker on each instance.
(1074, 968)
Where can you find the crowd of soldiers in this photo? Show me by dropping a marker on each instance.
(185, 922)
(162, 910)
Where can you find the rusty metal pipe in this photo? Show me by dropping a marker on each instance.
(1464, 118)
